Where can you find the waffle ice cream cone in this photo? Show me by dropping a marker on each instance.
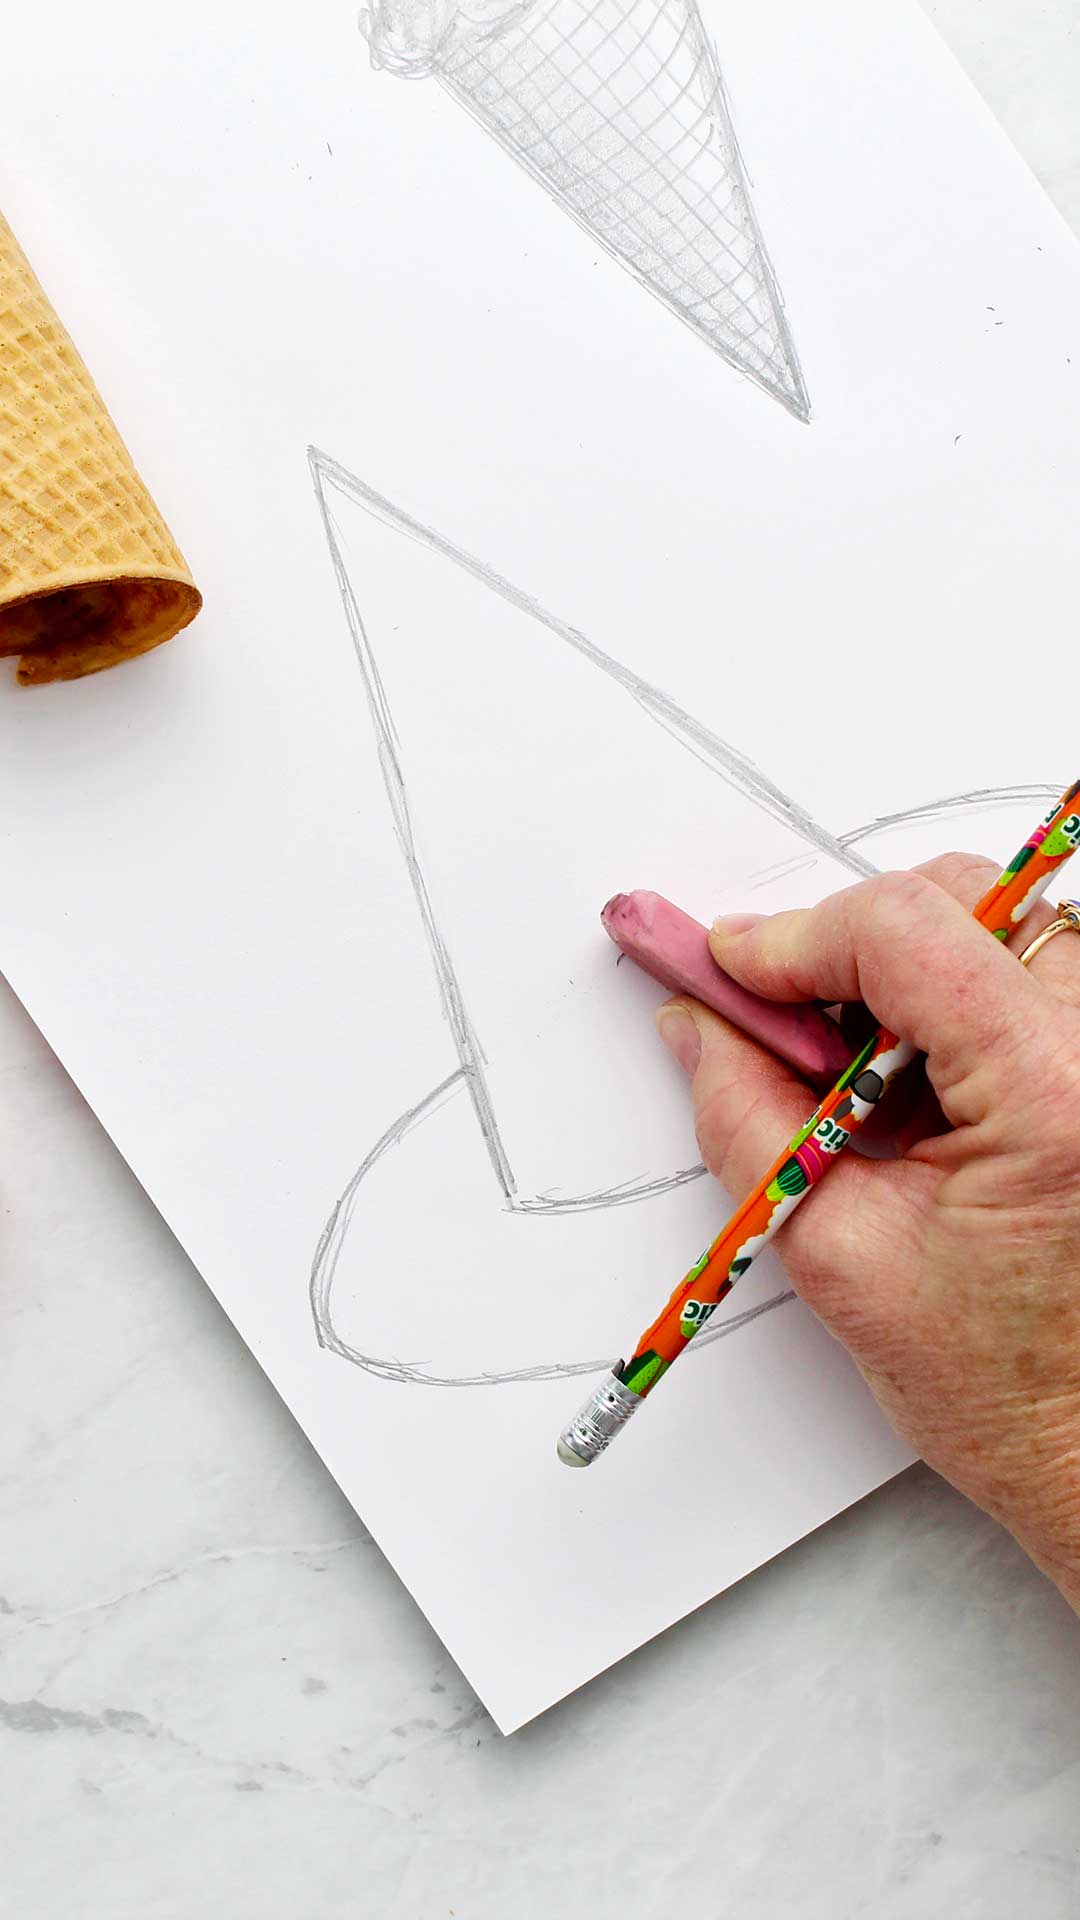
(89, 572)
(617, 108)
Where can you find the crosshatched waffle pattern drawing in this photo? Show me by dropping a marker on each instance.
(617, 108)
(469, 1082)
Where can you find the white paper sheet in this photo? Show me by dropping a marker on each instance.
(307, 902)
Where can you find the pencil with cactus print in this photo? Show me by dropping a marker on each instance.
(804, 1162)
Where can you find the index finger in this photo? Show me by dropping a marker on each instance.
(912, 954)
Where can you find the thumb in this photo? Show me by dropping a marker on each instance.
(922, 965)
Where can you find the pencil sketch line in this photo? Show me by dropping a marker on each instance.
(736, 1321)
(619, 111)
(954, 803)
(733, 767)
(332, 1239)
(405, 1372)
(465, 1042)
(932, 810)
(628, 1193)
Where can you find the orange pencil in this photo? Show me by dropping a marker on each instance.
(802, 1164)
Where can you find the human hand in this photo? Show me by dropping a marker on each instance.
(951, 1273)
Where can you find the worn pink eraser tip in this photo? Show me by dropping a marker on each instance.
(674, 949)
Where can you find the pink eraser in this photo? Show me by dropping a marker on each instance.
(674, 949)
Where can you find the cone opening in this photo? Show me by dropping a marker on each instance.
(81, 629)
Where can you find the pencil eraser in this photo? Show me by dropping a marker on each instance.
(666, 943)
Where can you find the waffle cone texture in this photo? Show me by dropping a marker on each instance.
(89, 573)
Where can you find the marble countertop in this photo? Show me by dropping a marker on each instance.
(218, 1699)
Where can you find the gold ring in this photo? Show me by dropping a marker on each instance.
(1068, 921)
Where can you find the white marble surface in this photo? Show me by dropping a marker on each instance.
(217, 1698)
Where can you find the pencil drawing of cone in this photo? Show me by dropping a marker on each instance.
(617, 108)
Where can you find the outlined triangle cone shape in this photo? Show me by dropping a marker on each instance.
(617, 109)
(483, 711)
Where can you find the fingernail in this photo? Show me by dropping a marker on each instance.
(679, 1033)
(729, 924)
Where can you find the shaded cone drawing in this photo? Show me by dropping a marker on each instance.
(617, 108)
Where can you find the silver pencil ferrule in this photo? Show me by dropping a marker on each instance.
(605, 1413)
